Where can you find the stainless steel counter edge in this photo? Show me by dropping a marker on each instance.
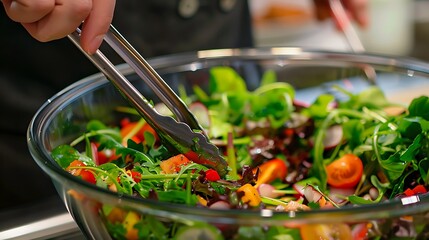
(49, 228)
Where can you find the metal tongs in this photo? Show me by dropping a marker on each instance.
(184, 135)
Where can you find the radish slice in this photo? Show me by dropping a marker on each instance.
(300, 103)
(162, 109)
(333, 136)
(267, 190)
(94, 153)
(299, 188)
(311, 194)
(338, 195)
(220, 205)
(201, 113)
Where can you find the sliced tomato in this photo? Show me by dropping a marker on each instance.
(345, 172)
(137, 177)
(174, 164)
(271, 170)
(88, 176)
(409, 192)
(75, 169)
(419, 189)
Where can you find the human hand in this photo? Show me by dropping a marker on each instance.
(48, 20)
(357, 11)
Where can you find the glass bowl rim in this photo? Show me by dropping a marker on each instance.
(41, 119)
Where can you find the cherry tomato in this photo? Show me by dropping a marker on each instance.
(345, 172)
(212, 175)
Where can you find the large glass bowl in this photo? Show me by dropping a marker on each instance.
(64, 116)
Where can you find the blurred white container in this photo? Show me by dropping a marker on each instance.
(391, 27)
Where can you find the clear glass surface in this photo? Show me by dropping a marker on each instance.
(64, 116)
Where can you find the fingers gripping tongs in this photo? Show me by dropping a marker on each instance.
(184, 134)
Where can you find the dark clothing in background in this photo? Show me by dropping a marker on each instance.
(31, 72)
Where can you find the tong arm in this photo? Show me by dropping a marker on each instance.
(151, 77)
(176, 135)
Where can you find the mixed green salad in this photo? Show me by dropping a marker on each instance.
(282, 155)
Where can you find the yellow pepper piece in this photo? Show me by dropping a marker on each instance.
(130, 220)
(250, 195)
(202, 201)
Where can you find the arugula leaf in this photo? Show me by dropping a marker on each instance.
(410, 153)
(381, 188)
(273, 101)
(149, 227)
(353, 132)
(219, 128)
(359, 200)
(225, 79)
(65, 154)
(320, 107)
(116, 230)
(372, 98)
(95, 125)
(419, 107)
(398, 186)
(127, 184)
(423, 170)
(393, 166)
(109, 142)
(177, 196)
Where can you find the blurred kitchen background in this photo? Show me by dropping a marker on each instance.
(397, 27)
